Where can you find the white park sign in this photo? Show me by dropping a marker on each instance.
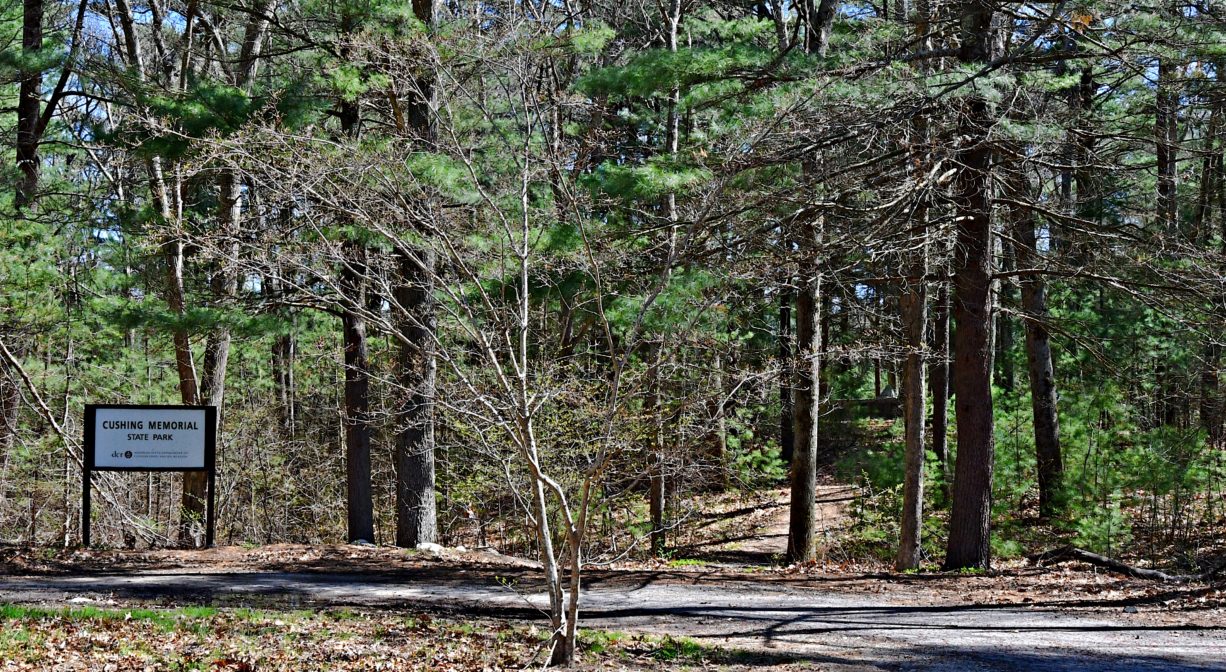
(150, 438)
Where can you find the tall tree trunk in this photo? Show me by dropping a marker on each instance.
(32, 116)
(283, 378)
(224, 283)
(1041, 369)
(802, 519)
(1210, 411)
(415, 500)
(1004, 374)
(184, 362)
(720, 455)
(167, 199)
(1212, 192)
(806, 394)
(191, 508)
(970, 519)
(658, 477)
(656, 461)
(912, 305)
(29, 104)
(1089, 203)
(224, 286)
(786, 366)
(354, 287)
(361, 526)
(939, 371)
(416, 517)
(284, 348)
(1166, 135)
(913, 313)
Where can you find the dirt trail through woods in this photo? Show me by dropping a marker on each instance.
(783, 623)
(753, 530)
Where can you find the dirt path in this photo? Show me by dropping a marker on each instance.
(753, 531)
(787, 625)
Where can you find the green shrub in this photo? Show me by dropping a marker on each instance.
(1104, 530)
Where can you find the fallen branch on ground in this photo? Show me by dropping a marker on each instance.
(1065, 553)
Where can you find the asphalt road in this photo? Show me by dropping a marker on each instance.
(779, 624)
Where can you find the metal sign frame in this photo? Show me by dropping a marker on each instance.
(210, 461)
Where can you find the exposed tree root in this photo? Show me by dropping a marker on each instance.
(1065, 553)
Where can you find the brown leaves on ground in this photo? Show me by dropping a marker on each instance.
(26, 560)
(113, 640)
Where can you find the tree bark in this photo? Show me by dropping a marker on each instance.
(284, 349)
(806, 394)
(1004, 374)
(970, 520)
(353, 286)
(167, 200)
(1166, 136)
(802, 519)
(655, 468)
(283, 357)
(913, 314)
(912, 305)
(224, 286)
(721, 457)
(29, 105)
(1041, 371)
(658, 477)
(939, 371)
(819, 23)
(32, 116)
(360, 519)
(184, 362)
(787, 364)
(1212, 192)
(416, 516)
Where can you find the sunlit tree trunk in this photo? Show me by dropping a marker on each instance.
(913, 313)
(656, 462)
(416, 515)
(970, 518)
(806, 395)
(1039, 360)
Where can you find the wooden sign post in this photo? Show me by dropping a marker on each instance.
(149, 438)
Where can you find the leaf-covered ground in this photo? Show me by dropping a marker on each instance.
(203, 638)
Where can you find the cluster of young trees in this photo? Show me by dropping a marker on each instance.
(541, 262)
